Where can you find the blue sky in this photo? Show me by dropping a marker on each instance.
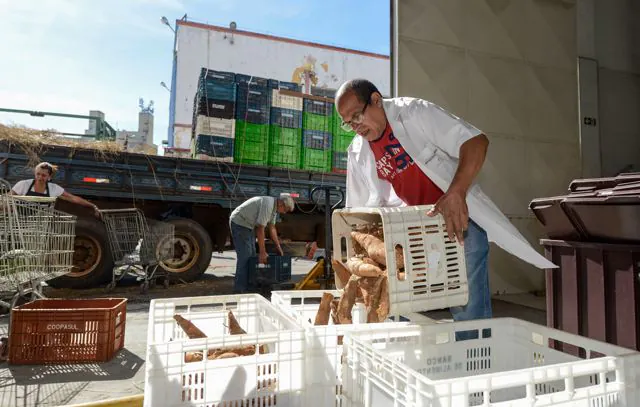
(73, 56)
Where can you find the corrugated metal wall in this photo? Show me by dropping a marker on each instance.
(509, 68)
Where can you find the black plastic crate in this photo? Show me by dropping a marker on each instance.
(222, 109)
(277, 270)
(253, 95)
(340, 160)
(274, 84)
(254, 80)
(323, 92)
(217, 75)
(253, 114)
(214, 146)
(214, 89)
(286, 118)
(317, 107)
(319, 140)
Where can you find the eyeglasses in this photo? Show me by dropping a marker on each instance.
(356, 119)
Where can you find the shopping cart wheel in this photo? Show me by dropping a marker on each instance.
(165, 283)
(144, 287)
(111, 286)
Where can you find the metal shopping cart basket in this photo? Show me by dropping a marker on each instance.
(36, 244)
(138, 246)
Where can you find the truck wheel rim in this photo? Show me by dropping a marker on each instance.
(186, 252)
(87, 254)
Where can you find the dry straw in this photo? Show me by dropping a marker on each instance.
(34, 142)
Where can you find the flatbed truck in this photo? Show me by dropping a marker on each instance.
(196, 196)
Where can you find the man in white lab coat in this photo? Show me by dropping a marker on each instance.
(412, 152)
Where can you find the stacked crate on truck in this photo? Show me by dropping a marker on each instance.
(317, 124)
(253, 106)
(285, 131)
(323, 92)
(341, 141)
(213, 128)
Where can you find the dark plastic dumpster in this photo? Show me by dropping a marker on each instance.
(591, 184)
(557, 224)
(628, 188)
(594, 292)
(614, 218)
(594, 184)
(552, 214)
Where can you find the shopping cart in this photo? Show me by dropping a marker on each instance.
(138, 246)
(36, 245)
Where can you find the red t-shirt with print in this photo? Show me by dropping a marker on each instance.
(394, 165)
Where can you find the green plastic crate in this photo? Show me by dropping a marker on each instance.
(341, 142)
(248, 152)
(251, 144)
(337, 129)
(284, 156)
(252, 132)
(316, 160)
(285, 146)
(284, 136)
(312, 121)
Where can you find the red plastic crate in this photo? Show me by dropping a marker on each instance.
(67, 331)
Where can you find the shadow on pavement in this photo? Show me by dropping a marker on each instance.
(54, 385)
(123, 366)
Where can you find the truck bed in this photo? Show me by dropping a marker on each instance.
(125, 175)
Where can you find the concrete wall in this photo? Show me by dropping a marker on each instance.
(199, 46)
(609, 35)
(509, 68)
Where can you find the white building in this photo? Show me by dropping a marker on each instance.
(145, 127)
(140, 141)
(200, 46)
(91, 131)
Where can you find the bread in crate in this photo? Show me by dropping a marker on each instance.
(407, 252)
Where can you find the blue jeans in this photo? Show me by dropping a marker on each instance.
(244, 241)
(476, 251)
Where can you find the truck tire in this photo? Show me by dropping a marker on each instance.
(192, 251)
(92, 260)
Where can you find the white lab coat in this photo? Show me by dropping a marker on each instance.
(432, 137)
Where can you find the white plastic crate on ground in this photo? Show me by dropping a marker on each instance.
(435, 271)
(274, 378)
(213, 126)
(323, 352)
(285, 101)
(520, 364)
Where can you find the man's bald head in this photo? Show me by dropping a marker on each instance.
(359, 104)
(361, 88)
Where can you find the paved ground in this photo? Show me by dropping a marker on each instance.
(22, 386)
